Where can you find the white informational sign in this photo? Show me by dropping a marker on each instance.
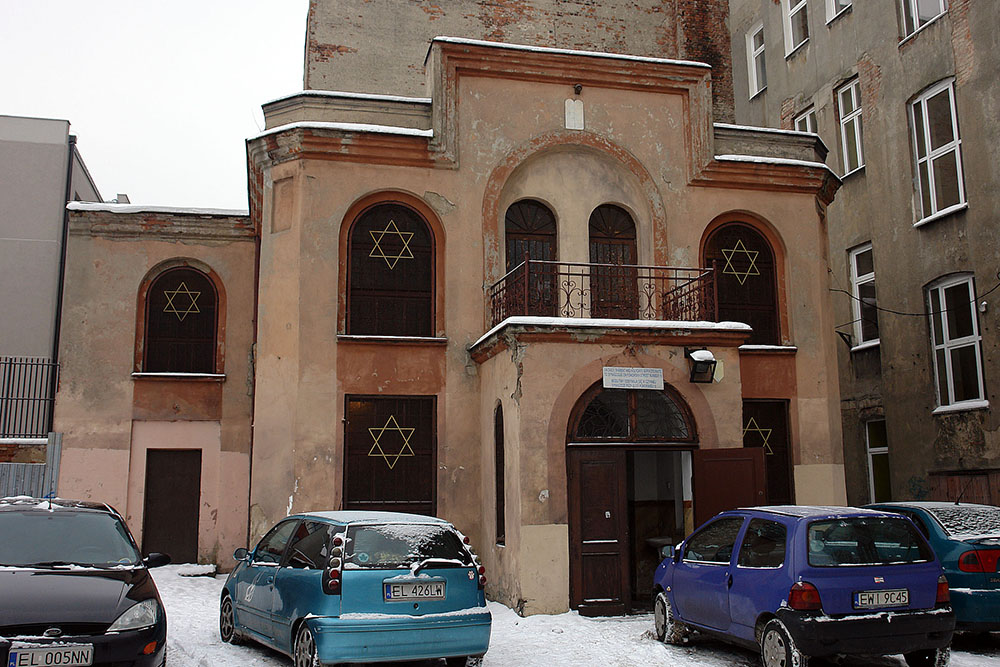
(616, 377)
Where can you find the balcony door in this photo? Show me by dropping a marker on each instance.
(613, 283)
(530, 231)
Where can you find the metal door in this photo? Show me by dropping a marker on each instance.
(172, 500)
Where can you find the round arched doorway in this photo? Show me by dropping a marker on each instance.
(628, 470)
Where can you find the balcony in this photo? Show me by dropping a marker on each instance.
(27, 390)
(604, 291)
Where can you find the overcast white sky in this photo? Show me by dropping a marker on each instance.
(161, 95)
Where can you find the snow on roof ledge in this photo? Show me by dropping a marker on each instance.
(592, 323)
(353, 96)
(569, 52)
(348, 127)
(139, 208)
(763, 159)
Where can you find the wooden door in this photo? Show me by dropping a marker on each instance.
(172, 500)
(530, 231)
(724, 479)
(765, 425)
(390, 451)
(598, 531)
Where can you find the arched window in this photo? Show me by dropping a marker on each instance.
(631, 415)
(747, 285)
(613, 290)
(181, 323)
(498, 444)
(391, 274)
(530, 230)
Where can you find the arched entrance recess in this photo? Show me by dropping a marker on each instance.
(628, 470)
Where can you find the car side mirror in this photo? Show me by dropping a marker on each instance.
(241, 554)
(156, 560)
(667, 551)
(677, 554)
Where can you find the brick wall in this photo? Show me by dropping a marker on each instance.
(378, 46)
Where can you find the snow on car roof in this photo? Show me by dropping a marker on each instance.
(814, 510)
(360, 516)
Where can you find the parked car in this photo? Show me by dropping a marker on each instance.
(795, 582)
(334, 587)
(73, 588)
(966, 539)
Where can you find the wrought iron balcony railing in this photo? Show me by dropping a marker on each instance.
(605, 291)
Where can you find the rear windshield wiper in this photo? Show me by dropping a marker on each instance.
(417, 566)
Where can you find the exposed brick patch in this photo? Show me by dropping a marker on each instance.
(496, 15)
(324, 52)
(961, 41)
(704, 25)
(870, 82)
(787, 113)
(7, 452)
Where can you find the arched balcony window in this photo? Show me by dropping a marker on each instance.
(181, 323)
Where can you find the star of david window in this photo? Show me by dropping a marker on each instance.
(747, 284)
(391, 274)
(181, 323)
(631, 415)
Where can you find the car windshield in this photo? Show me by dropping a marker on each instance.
(968, 520)
(866, 541)
(404, 545)
(63, 538)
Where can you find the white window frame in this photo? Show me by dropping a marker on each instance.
(955, 145)
(831, 9)
(852, 118)
(789, 8)
(939, 319)
(870, 453)
(857, 280)
(911, 20)
(752, 54)
(807, 119)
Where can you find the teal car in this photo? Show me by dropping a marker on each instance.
(966, 539)
(327, 588)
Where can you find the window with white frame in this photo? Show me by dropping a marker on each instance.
(806, 121)
(918, 13)
(796, 24)
(864, 304)
(958, 364)
(835, 7)
(877, 444)
(851, 133)
(938, 150)
(755, 59)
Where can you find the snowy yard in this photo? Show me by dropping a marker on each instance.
(542, 641)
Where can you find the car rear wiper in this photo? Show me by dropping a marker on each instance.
(417, 566)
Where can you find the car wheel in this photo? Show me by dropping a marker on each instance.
(227, 622)
(305, 648)
(935, 657)
(668, 629)
(465, 661)
(777, 648)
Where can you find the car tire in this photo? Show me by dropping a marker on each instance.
(465, 661)
(305, 654)
(227, 623)
(669, 630)
(777, 649)
(935, 657)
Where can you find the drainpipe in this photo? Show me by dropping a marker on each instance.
(57, 328)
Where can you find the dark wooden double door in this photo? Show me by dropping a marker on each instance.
(603, 562)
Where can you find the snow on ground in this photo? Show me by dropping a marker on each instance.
(564, 640)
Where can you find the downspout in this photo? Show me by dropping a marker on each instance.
(57, 327)
(253, 345)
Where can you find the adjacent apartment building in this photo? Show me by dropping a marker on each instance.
(40, 171)
(905, 93)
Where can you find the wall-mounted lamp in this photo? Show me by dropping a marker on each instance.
(703, 364)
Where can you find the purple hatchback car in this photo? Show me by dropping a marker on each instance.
(797, 581)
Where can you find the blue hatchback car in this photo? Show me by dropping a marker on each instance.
(966, 539)
(796, 581)
(334, 587)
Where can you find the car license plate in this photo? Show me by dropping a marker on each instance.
(64, 655)
(404, 591)
(899, 597)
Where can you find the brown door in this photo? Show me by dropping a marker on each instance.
(765, 425)
(598, 531)
(613, 283)
(724, 479)
(389, 455)
(170, 509)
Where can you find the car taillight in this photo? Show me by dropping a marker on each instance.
(334, 566)
(943, 594)
(479, 567)
(803, 596)
(983, 560)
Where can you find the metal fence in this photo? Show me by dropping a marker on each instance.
(27, 396)
(34, 479)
